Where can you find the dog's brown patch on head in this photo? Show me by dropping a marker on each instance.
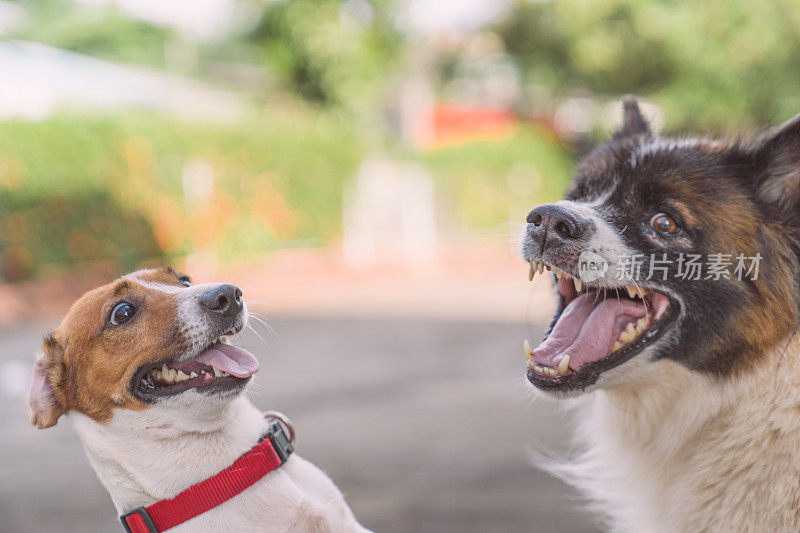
(89, 363)
(729, 197)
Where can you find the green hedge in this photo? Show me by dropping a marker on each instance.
(77, 189)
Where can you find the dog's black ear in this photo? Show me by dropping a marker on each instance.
(633, 122)
(46, 400)
(778, 160)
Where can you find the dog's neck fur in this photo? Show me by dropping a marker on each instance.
(682, 451)
(145, 456)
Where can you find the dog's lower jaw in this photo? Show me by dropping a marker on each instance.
(142, 457)
(684, 451)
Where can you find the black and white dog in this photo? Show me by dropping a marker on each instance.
(677, 269)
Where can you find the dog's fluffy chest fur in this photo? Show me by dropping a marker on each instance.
(141, 464)
(685, 452)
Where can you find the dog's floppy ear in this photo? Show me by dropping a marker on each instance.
(778, 159)
(633, 122)
(46, 400)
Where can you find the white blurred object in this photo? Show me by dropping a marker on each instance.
(197, 176)
(36, 80)
(573, 118)
(443, 16)
(12, 17)
(390, 215)
(15, 377)
(201, 19)
(416, 100)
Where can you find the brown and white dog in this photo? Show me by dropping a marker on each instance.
(156, 395)
(687, 388)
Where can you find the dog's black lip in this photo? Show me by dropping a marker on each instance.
(589, 373)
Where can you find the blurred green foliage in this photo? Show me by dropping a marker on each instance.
(334, 52)
(719, 64)
(100, 31)
(484, 184)
(75, 188)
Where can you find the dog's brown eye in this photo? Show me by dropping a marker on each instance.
(121, 313)
(664, 224)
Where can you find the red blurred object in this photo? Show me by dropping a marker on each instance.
(458, 124)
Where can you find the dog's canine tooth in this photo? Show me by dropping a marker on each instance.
(531, 271)
(526, 346)
(558, 273)
(631, 291)
(577, 284)
(563, 365)
(541, 267)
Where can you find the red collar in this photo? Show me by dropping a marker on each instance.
(272, 450)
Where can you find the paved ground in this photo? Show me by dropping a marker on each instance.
(423, 425)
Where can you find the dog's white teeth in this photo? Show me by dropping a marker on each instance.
(193, 375)
(531, 271)
(526, 346)
(168, 374)
(181, 376)
(632, 331)
(563, 365)
(561, 274)
(203, 372)
(225, 374)
(542, 267)
(636, 292)
(629, 334)
(217, 373)
(577, 284)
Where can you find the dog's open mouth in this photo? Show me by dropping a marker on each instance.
(597, 327)
(220, 367)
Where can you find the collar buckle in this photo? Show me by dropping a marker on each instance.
(138, 521)
(280, 441)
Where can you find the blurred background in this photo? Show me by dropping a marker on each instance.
(361, 168)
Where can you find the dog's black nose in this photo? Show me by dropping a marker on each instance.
(223, 299)
(552, 225)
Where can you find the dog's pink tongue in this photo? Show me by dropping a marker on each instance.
(586, 330)
(230, 359)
